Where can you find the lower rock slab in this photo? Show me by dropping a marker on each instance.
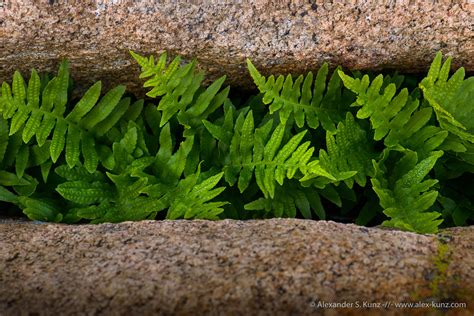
(228, 267)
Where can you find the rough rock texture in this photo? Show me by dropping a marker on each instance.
(279, 37)
(272, 267)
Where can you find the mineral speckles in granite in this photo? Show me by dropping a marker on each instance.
(278, 36)
(226, 267)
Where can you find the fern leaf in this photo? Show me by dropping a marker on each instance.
(347, 158)
(396, 118)
(83, 192)
(89, 152)
(44, 210)
(13, 146)
(18, 88)
(251, 152)
(179, 89)
(192, 198)
(132, 198)
(111, 198)
(3, 138)
(407, 197)
(204, 100)
(93, 211)
(304, 99)
(78, 174)
(451, 98)
(168, 166)
(60, 89)
(104, 108)
(73, 146)
(118, 112)
(11, 179)
(32, 126)
(22, 161)
(19, 119)
(7, 196)
(48, 95)
(288, 201)
(134, 111)
(58, 141)
(74, 133)
(34, 90)
(85, 104)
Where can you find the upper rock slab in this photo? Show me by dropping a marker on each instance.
(279, 37)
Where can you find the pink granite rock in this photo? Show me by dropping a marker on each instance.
(265, 267)
(279, 37)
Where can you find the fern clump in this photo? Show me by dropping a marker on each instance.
(348, 147)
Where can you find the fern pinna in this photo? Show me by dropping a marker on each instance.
(355, 148)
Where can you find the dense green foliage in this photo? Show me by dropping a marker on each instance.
(353, 148)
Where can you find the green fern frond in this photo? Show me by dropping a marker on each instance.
(14, 154)
(180, 90)
(306, 99)
(347, 158)
(396, 118)
(37, 209)
(452, 99)
(74, 133)
(170, 166)
(254, 151)
(11, 179)
(191, 199)
(108, 197)
(4, 138)
(288, 200)
(78, 174)
(7, 196)
(90, 192)
(104, 202)
(45, 210)
(406, 196)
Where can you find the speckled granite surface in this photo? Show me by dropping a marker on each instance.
(267, 267)
(276, 35)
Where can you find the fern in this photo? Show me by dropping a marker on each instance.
(192, 198)
(307, 99)
(398, 119)
(180, 90)
(453, 102)
(348, 157)
(288, 201)
(130, 192)
(254, 151)
(46, 210)
(201, 154)
(21, 157)
(405, 196)
(102, 201)
(452, 99)
(73, 132)
(116, 198)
